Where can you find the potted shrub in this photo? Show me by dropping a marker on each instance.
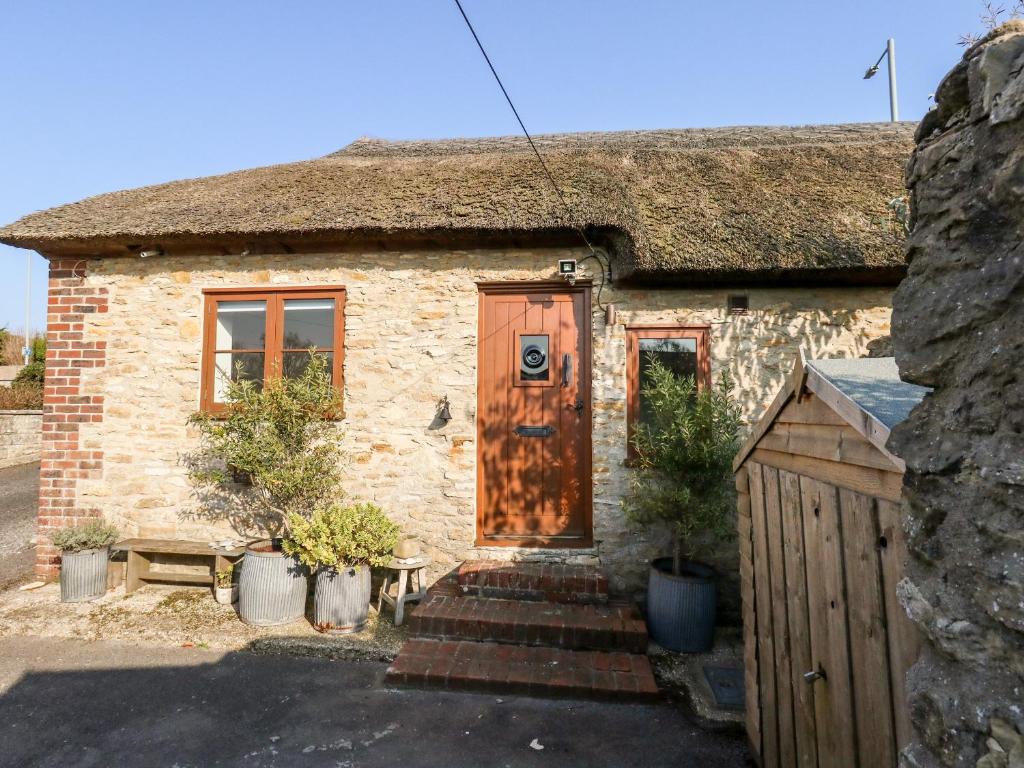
(225, 588)
(272, 456)
(683, 480)
(84, 552)
(341, 544)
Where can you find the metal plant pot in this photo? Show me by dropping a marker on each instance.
(83, 575)
(681, 609)
(271, 587)
(341, 600)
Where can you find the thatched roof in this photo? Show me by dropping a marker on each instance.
(714, 204)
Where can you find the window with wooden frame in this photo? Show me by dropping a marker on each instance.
(259, 334)
(684, 350)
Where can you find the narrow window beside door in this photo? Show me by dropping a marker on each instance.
(257, 335)
(683, 350)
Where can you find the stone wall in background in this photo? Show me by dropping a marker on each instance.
(411, 337)
(958, 326)
(21, 437)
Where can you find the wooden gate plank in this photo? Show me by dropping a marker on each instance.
(765, 637)
(779, 594)
(869, 649)
(826, 601)
(751, 695)
(904, 639)
(796, 609)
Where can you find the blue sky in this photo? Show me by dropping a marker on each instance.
(101, 96)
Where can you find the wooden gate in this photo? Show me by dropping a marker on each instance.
(827, 644)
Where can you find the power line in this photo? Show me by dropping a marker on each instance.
(540, 159)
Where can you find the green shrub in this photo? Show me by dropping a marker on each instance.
(275, 447)
(338, 537)
(31, 375)
(95, 534)
(683, 476)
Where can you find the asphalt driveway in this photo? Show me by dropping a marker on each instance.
(76, 703)
(19, 496)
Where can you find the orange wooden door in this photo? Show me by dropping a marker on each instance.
(533, 417)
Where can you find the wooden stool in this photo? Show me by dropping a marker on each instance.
(403, 572)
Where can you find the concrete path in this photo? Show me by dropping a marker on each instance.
(75, 703)
(19, 496)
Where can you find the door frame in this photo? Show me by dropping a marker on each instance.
(584, 288)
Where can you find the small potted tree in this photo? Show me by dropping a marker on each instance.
(84, 553)
(271, 457)
(341, 544)
(682, 481)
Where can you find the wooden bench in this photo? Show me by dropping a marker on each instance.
(141, 566)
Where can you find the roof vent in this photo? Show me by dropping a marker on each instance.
(738, 304)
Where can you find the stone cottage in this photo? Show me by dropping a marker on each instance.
(429, 273)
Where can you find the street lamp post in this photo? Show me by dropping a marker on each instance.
(890, 54)
(27, 349)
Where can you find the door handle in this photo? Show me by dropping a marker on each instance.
(814, 675)
(566, 369)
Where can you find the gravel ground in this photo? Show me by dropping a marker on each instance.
(19, 496)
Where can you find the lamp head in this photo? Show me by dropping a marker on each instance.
(872, 71)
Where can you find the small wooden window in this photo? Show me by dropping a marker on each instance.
(683, 350)
(260, 334)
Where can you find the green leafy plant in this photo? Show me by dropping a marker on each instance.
(95, 534)
(224, 577)
(339, 537)
(33, 374)
(275, 447)
(683, 472)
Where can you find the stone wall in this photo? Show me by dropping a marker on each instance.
(411, 335)
(958, 326)
(20, 437)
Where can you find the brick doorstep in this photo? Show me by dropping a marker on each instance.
(535, 671)
(551, 582)
(611, 627)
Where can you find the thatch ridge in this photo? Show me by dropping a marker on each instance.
(715, 202)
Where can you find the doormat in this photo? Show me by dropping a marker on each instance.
(726, 686)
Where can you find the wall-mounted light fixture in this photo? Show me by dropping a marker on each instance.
(150, 252)
(444, 411)
(609, 314)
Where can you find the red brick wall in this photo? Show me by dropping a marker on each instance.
(67, 405)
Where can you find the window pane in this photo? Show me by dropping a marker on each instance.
(296, 362)
(235, 366)
(678, 355)
(533, 358)
(309, 323)
(241, 324)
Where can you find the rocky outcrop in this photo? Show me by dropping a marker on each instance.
(958, 327)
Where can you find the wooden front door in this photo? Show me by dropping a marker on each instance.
(533, 416)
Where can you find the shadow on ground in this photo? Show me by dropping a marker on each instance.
(75, 703)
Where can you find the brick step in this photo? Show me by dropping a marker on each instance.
(521, 670)
(552, 582)
(614, 626)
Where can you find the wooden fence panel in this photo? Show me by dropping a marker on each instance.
(904, 639)
(826, 598)
(780, 622)
(765, 632)
(799, 627)
(869, 649)
(744, 529)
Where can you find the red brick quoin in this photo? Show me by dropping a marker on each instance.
(66, 406)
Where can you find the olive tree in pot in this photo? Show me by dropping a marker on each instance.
(682, 481)
(341, 544)
(271, 457)
(84, 553)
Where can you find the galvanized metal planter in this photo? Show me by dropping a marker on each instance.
(341, 600)
(681, 609)
(83, 575)
(271, 588)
